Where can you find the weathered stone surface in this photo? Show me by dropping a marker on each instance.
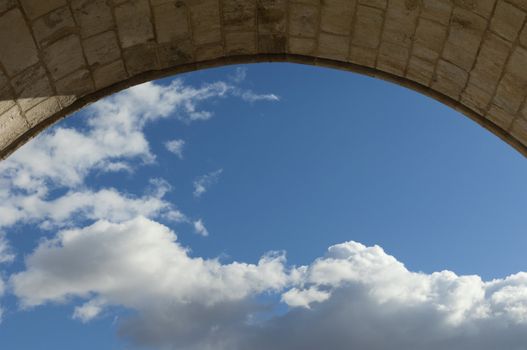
(102, 48)
(109, 74)
(303, 20)
(470, 53)
(336, 17)
(272, 16)
(239, 15)
(93, 16)
(54, 25)
(12, 125)
(15, 55)
(134, 22)
(507, 21)
(205, 18)
(464, 38)
(171, 22)
(36, 8)
(31, 87)
(368, 27)
(64, 56)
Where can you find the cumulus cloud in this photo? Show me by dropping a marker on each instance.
(204, 182)
(200, 229)
(134, 262)
(353, 297)
(176, 147)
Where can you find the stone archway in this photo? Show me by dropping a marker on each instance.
(58, 55)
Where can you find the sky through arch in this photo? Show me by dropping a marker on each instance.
(264, 206)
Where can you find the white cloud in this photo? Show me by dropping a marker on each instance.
(200, 228)
(204, 182)
(133, 263)
(353, 297)
(6, 253)
(176, 147)
(251, 96)
(239, 74)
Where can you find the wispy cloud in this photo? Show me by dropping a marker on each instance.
(204, 182)
(240, 73)
(200, 229)
(251, 96)
(176, 147)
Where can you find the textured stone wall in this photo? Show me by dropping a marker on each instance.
(58, 55)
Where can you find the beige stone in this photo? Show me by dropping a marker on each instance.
(205, 18)
(102, 48)
(93, 16)
(54, 25)
(239, 15)
(368, 26)
(171, 21)
(36, 8)
(470, 54)
(303, 20)
(507, 21)
(64, 56)
(15, 55)
(336, 17)
(134, 22)
(12, 125)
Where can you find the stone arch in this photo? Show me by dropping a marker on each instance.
(58, 55)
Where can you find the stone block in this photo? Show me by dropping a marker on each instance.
(420, 71)
(171, 22)
(134, 23)
(272, 43)
(272, 16)
(449, 79)
(209, 52)
(13, 25)
(102, 48)
(368, 27)
(510, 92)
(6, 5)
(303, 20)
(491, 61)
(507, 21)
(380, 4)
(37, 8)
(466, 31)
(302, 46)
(53, 26)
(336, 16)
(12, 125)
(109, 74)
(429, 39)
(480, 7)
(175, 53)
(334, 47)
(240, 43)
(140, 58)
(499, 117)
(31, 87)
(437, 10)
(44, 110)
(363, 56)
(78, 84)
(239, 15)
(93, 16)
(205, 19)
(392, 58)
(476, 98)
(64, 56)
(400, 22)
(519, 130)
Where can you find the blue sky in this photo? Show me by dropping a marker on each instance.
(277, 161)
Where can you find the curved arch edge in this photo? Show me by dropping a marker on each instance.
(260, 58)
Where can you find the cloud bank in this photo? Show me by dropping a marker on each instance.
(352, 297)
